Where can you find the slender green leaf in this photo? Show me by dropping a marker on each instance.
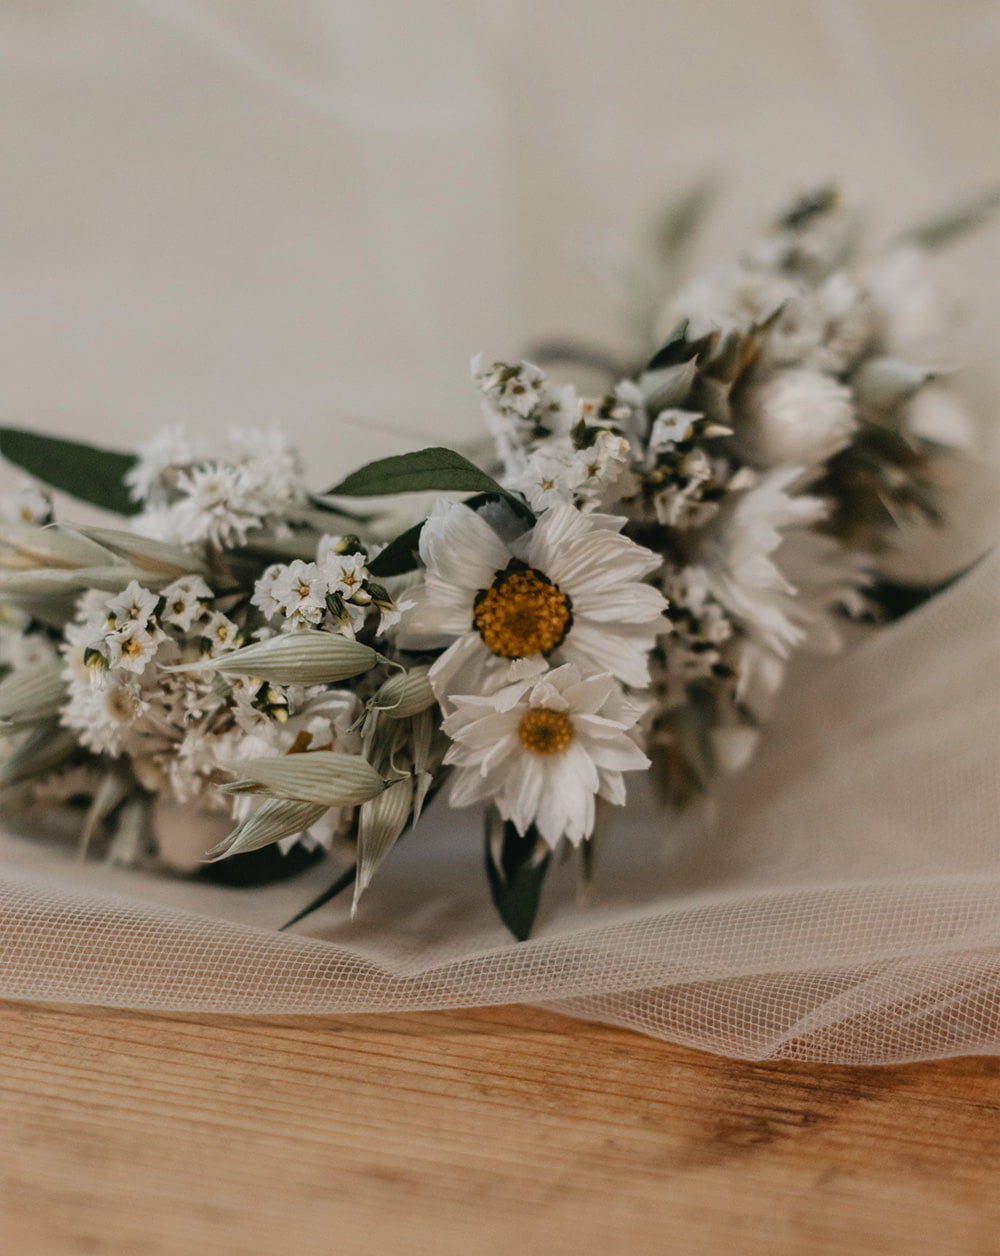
(516, 868)
(83, 471)
(682, 217)
(345, 880)
(424, 470)
(955, 221)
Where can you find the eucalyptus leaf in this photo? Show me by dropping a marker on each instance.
(86, 472)
(424, 470)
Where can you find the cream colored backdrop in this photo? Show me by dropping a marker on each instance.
(235, 210)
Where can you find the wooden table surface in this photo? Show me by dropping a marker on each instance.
(506, 1130)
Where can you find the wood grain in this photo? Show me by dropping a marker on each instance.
(503, 1130)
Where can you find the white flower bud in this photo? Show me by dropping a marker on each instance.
(795, 418)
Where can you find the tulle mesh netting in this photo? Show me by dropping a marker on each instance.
(844, 905)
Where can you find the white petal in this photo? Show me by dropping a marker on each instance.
(593, 650)
(468, 786)
(459, 548)
(612, 788)
(618, 756)
(524, 788)
(587, 696)
(622, 603)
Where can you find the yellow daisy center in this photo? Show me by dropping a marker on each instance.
(522, 613)
(545, 732)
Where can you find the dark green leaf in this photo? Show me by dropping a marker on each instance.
(808, 207)
(400, 555)
(516, 884)
(425, 470)
(265, 866)
(317, 502)
(84, 471)
(673, 351)
(897, 599)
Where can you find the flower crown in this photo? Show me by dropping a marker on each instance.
(618, 588)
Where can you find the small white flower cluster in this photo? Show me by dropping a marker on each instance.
(133, 693)
(190, 498)
(555, 445)
(119, 701)
(337, 591)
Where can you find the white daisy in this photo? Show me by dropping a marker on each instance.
(571, 589)
(542, 748)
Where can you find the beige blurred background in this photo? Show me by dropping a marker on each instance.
(315, 211)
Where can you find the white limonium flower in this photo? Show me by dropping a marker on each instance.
(184, 601)
(134, 605)
(300, 590)
(29, 504)
(550, 475)
(570, 589)
(132, 646)
(543, 747)
(221, 634)
(797, 417)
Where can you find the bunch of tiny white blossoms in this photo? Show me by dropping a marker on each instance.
(620, 591)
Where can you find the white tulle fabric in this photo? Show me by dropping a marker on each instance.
(843, 905)
(317, 212)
